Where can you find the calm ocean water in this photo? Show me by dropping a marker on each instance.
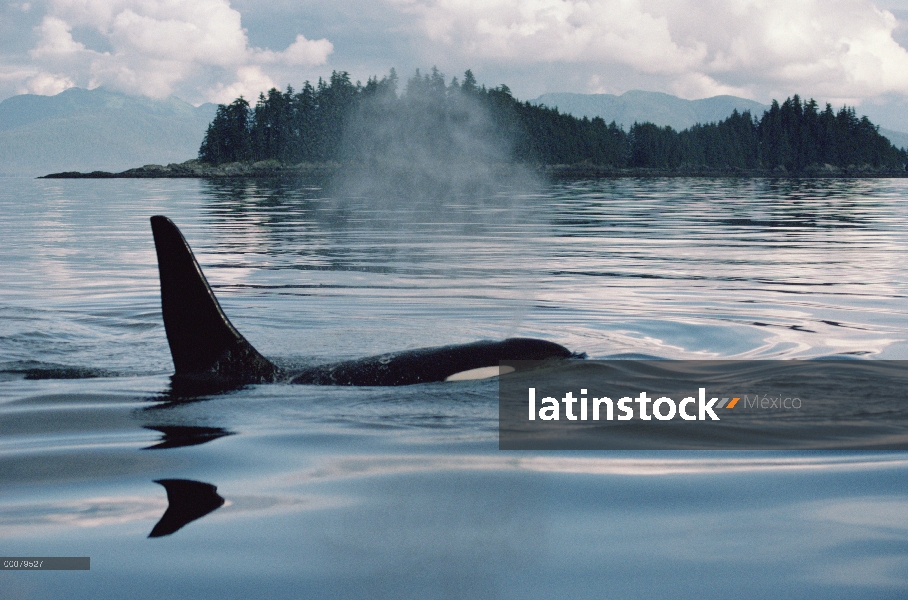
(402, 493)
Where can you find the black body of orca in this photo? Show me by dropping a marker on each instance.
(207, 349)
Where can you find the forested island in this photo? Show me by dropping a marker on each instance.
(337, 122)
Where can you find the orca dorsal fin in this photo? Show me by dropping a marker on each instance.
(203, 343)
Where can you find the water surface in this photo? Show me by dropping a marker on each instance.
(397, 493)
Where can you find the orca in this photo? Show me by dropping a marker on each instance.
(207, 349)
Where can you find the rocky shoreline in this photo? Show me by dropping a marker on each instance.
(274, 169)
(814, 171)
(199, 170)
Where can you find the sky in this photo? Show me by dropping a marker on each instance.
(842, 51)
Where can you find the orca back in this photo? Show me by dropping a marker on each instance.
(203, 343)
(426, 365)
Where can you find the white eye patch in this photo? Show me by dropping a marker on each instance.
(480, 373)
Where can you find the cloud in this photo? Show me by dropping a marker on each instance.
(835, 48)
(301, 52)
(557, 30)
(47, 84)
(156, 46)
(250, 81)
(56, 40)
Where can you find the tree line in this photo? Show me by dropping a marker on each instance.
(334, 120)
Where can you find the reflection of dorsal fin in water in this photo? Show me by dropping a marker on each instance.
(187, 501)
(178, 436)
(203, 342)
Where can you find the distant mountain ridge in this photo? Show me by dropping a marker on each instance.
(637, 106)
(86, 130)
(898, 138)
(102, 130)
